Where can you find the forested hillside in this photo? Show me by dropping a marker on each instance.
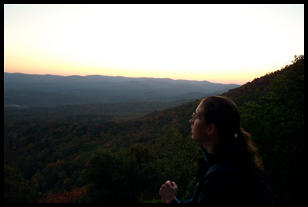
(127, 161)
(87, 112)
(272, 109)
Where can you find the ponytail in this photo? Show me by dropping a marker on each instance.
(247, 151)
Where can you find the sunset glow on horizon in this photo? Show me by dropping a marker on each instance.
(217, 43)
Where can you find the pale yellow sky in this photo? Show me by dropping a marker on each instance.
(218, 43)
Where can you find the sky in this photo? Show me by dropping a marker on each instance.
(230, 43)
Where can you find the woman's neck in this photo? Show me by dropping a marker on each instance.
(208, 148)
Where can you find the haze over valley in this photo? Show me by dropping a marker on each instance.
(60, 96)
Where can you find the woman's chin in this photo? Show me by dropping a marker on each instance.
(193, 138)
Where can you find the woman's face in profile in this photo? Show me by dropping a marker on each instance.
(198, 125)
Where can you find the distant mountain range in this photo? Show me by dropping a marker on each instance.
(25, 90)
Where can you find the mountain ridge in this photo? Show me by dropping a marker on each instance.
(106, 76)
(51, 90)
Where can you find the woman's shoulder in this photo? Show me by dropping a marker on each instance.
(219, 187)
(228, 176)
(228, 181)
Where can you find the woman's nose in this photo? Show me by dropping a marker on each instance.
(191, 121)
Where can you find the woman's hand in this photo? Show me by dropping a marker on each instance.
(168, 191)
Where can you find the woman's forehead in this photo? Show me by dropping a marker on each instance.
(199, 107)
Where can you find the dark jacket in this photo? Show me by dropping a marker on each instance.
(224, 182)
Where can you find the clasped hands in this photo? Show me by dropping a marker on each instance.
(168, 191)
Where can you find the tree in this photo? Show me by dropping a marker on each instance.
(16, 188)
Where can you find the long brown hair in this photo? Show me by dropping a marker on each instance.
(235, 142)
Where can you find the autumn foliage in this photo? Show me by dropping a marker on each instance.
(65, 197)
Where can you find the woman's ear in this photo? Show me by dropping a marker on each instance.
(211, 129)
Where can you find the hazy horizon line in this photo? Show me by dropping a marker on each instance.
(46, 74)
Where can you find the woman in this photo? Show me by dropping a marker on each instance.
(228, 171)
